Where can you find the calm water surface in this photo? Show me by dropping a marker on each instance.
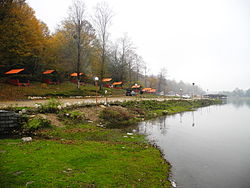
(208, 148)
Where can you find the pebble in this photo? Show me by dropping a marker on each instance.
(102, 106)
(37, 105)
(173, 183)
(29, 182)
(24, 111)
(26, 139)
(17, 173)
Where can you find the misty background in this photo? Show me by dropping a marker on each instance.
(201, 42)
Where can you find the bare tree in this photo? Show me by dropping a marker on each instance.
(145, 69)
(138, 66)
(132, 61)
(162, 79)
(152, 81)
(126, 55)
(116, 66)
(102, 21)
(77, 14)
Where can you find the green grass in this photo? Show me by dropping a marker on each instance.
(82, 155)
(89, 132)
(65, 89)
(152, 108)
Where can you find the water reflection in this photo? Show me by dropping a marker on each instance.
(193, 119)
(181, 115)
(207, 148)
(239, 102)
(181, 118)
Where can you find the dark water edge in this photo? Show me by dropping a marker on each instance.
(206, 148)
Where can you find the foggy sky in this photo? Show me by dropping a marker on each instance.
(200, 41)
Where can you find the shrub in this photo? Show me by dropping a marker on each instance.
(36, 123)
(116, 117)
(52, 106)
(73, 115)
(139, 111)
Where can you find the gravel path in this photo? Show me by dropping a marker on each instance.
(31, 103)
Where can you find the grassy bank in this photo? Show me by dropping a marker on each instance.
(65, 89)
(152, 108)
(82, 151)
(82, 159)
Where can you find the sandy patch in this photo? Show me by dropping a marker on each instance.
(91, 113)
(53, 118)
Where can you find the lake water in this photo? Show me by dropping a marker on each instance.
(208, 148)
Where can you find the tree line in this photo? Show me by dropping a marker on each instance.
(237, 92)
(81, 44)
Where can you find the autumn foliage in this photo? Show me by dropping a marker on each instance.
(77, 45)
(23, 38)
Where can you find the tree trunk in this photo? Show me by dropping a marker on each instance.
(78, 53)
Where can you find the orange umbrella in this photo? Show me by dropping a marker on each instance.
(75, 74)
(14, 71)
(48, 71)
(117, 83)
(106, 79)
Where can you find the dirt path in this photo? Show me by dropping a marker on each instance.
(53, 118)
(31, 103)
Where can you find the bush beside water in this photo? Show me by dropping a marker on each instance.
(116, 117)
